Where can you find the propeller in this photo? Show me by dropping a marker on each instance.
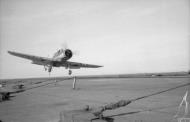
(76, 52)
(64, 46)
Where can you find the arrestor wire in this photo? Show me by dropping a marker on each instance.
(98, 111)
(156, 93)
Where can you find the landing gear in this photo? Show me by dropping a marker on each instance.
(70, 72)
(45, 67)
(49, 69)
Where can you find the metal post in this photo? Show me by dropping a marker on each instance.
(74, 82)
(55, 82)
(184, 100)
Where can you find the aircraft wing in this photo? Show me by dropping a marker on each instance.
(36, 59)
(75, 65)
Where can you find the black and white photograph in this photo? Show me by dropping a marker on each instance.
(94, 61)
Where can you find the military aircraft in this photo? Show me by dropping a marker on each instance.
(59, 59)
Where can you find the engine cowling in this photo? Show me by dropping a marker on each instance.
(68, 54)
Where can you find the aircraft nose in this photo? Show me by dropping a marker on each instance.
(68, 53)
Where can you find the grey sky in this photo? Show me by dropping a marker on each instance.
(126, 36)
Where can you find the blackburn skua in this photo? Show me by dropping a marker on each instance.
(59, 59)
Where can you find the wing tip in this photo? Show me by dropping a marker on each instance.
(13, 53)
(98, 66)
(10, 52)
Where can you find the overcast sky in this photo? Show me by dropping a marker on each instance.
(125, 36)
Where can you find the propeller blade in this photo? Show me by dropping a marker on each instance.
(64, 46)
(75, 52)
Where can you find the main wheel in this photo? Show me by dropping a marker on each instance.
(70, 72)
